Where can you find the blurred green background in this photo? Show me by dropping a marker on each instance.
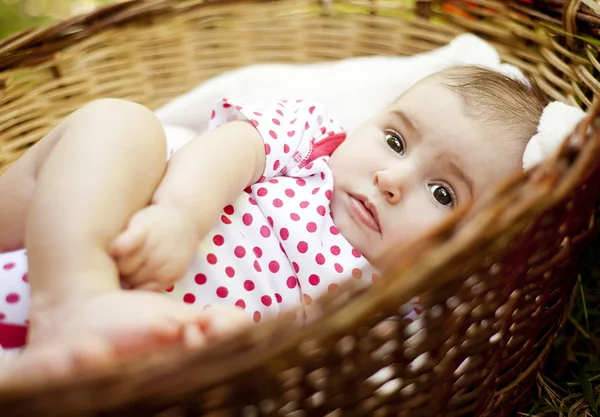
(16, 15)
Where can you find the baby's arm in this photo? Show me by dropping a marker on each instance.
(202, 177)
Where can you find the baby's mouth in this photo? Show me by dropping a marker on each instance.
(364, 212)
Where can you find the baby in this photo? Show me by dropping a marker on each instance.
(272, 207)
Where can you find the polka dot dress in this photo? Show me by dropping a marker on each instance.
(276, 246)
(274, 249)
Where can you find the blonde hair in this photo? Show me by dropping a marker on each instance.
(513, 106)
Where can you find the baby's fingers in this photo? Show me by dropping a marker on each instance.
(129, 265)
(129, 242)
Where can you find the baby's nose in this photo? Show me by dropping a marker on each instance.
(389, 186)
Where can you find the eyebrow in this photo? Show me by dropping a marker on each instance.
(404, 120)
(460, 174)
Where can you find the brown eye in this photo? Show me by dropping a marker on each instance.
(443, 195)
(394, 142)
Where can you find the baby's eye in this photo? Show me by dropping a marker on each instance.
(395, 142)
(443, 195)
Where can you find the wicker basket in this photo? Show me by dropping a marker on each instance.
(496, 280)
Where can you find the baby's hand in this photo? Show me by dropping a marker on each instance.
(156, 249)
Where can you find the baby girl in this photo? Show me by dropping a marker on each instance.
(272, 207)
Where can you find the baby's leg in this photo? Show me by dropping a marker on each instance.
(16, 190)
(103, 165)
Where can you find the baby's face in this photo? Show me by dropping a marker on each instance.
(407, 168)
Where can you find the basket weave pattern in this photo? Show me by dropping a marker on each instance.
(495, 282)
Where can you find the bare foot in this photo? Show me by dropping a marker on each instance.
(114, 325)
(156, 249)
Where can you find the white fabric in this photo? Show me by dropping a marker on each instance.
(557, 121)
(352, 89)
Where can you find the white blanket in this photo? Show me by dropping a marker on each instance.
(353, 89)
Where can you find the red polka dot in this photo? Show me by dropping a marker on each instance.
(314, 280)
(239, 251)
(274, 181)
(282, 249)
(322, 175)
(315, 190)
(334, 230)
(335, 250)
(270, 220)
(311, 109)
(222, 292)
(252, 201)
(212, 115)
(302, 246)
(311, 227)
(265, 231)
(218, 240)
(12, 298)
(279, 112)
(257, 266)
(229, 209)
(257, 113)
(247, 218)
(277, 203)
(304, 204)
(328, 194)
(256, 317)
(26, 278)
(294, 216)
(273, 134)
(211, 258)
(355, 253)
(307, 125)
(290, 193)
(278, 298)
(276, 165)
(291, 282)
(226, 105)
(301, 182)
(254, 122)
(274, 266)
(320, 259)
(230, 272)
(266, 300)
(339, 268)
(321, 210)
(356, 273)
(257, 251)
(241, 304)
(333, 287)
(189, 298)
(291, 133)
(248, 285)
(323, 130)
(262, 191)
(200, 279)
(9, 266)
(276, 121)
(170, 289)
(284, 233)
(262, 179)
(2, 316)
(225, 219)
(267, 149)
(296, 267)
